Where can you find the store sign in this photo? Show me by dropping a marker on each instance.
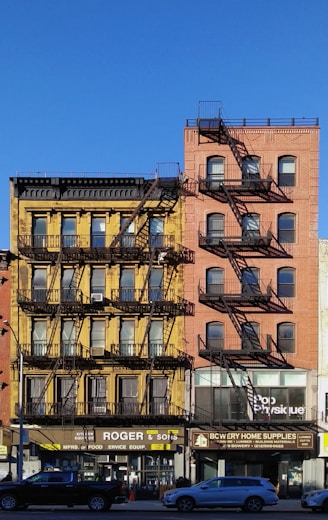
(269, 406)
(249, 440)
(110, 439)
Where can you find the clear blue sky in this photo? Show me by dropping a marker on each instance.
(106, 85)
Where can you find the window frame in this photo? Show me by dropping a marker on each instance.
(283, 285)
(286, 340)
(283, 232)
(290, 176)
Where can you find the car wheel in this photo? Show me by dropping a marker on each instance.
(253, 505)
(185, 504)
(324, 506)
(98, 503)
(8, 502)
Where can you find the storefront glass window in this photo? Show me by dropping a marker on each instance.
(207, 378)
(293, 378)
(279, 404)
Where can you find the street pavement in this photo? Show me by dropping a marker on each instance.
(290, 505)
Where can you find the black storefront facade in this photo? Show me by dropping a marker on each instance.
(276, 454)
(257, 422)
(146, 459)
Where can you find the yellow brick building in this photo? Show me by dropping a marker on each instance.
(97, 308)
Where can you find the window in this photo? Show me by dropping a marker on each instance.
(250, 335)
(98, 226)
(98, 281)
(215, 228)
(250, 281)
(127, 284)
(155, 285)
(39, 338)
(127, 346)
(68, 231)
(39, 285)
(35, 395)
(98, 333)
(68, 285)
(156, 232)
(155, 339)
(128, 392)
(286, 171)
(286, 228)
(39, 231)
(229, 404)
(97, 395)
(250, 169)
(214, 281)
(215, 172)
(66, 395)
(286, 337)
(127, 238)
(286, 282)
(68, 347)
(158, 396)
(279, 404)
(251, 226)
(215, 335)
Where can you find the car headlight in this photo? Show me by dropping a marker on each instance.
(171, 493)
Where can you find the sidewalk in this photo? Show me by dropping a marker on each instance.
(156, 506)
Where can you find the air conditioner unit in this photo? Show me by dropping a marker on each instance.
(97, 351)
(100, 410)
(103, 458)
(121, 458)
(97, 297)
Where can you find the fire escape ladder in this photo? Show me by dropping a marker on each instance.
(147, 329)
(238, 263)
(147, 277)
(237, 317)
(55, 273)
(240, 390)
(135, 212)
(238, 148)
(38, 402)
(238, 207)
(147, 386)
(167, 334)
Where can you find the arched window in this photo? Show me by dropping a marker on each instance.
(215, 335)
(251, 168)
(251, 225)
(286, 337)
(286, 282)
(214, 280)
(286, 170)
(215, 172)
(215, 228)
(250, 335)
(286, 228)
(250, 281)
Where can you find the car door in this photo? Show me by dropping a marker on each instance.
(49, 487)
(233, 491)
(210, 493)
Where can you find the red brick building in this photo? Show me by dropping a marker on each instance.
(253, 226)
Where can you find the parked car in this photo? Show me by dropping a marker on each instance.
(60, 488)
(248, 493)
(317, 500)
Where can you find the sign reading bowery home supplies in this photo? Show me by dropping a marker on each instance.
(248, 440)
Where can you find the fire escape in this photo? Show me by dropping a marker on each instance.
(157, 197)
(245, 294)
